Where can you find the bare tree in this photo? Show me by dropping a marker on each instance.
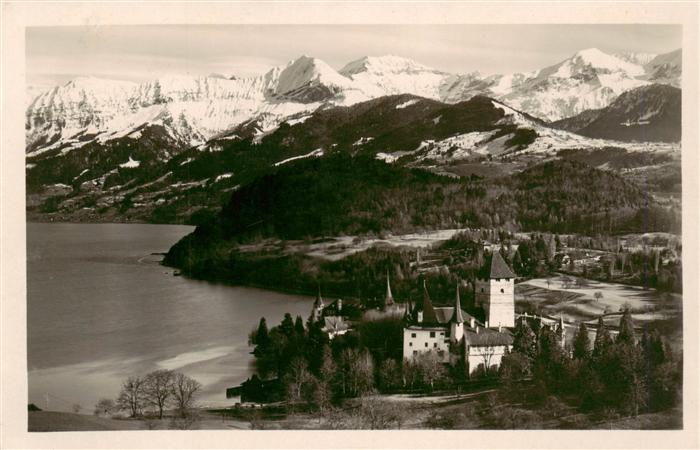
(158, 389)
(298, 379)
(360, 371)
(132, 396)
(377, 414)
(76, 408)
(430, 367)
(184, 391)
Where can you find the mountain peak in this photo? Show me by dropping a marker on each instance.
(601, 60)
(387, 64)
(306, 69)
(590, 53)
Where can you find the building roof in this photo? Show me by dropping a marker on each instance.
(487, 337)
(457, 316)
(388, 299)
(427, 307)
(334, 323)
(499, 268)
(318, 303)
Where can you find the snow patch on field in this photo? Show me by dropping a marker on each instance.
(130, 164)
(223, 176)
(298, 120)
(316, 153)
(362, 140)
(406, 104)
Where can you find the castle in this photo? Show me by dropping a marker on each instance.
(453, 333)
(449, 331)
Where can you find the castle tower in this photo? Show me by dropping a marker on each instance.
(457, 321)
(388, 299)
(317, 309)
(495, 293)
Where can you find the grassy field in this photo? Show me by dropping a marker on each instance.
(40, 421)
(578, 303)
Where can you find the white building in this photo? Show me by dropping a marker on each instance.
(495, 293)
(452, 333)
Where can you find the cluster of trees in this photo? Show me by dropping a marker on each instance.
(624, 375)
(155, 392)
(318, 372)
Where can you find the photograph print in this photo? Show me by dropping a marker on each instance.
(354, 227)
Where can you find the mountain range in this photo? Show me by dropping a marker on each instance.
(195, 109)
(169, 149)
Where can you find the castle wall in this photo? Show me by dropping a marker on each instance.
(419, 340)
(491, 356)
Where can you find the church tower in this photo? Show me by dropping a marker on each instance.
(495, 293)
(457, 321)
(388, 299)
(317, 309)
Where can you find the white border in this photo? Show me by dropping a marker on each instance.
(17, 16)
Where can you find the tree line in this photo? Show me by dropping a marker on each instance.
(619, 375)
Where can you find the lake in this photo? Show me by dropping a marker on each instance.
(100, 308)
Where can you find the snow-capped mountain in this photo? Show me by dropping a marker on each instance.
(192, 110)
(391, 75)
(646, 114)
(666, 68)
(590, 79)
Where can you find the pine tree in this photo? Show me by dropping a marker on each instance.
(626, 328)
(602, 339)
(262, 337)
(524, 340)
(287, 325)
(581, 343)
(299, 326)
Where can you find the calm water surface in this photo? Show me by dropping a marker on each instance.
(100, 307)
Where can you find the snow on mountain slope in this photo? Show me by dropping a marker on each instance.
(306, 70)
(666, 68)
(639, 58)
(550, 140)
(389, 75)
(590, 79)
(193, 110)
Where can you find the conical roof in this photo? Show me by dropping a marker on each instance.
(429, 315)
(388, 299)
(318, 303)
(457, 316)
(499, 268)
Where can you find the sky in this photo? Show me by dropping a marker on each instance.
(56, 55)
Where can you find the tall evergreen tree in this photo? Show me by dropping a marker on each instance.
(602, 339)
(287, 325)
(262, 337)
(299, 326)
(581, 343)
(524, 341)
(626, 328)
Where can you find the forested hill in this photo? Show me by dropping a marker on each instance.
(340, 194)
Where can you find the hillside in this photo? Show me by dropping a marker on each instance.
(645, 114)
(348, 195)
(146, 176)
